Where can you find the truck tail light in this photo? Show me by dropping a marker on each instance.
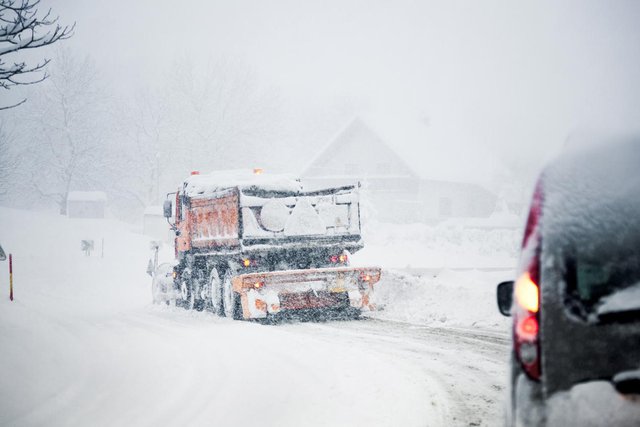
(526, 320)
(248, 262)
(342, 259)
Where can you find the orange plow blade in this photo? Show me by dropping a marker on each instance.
(270, 293)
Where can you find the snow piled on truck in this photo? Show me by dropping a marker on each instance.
(207, 184)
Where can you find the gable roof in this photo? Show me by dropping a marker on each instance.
(430, 153)
(350, 139)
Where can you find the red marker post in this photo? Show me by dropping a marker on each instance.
(10, 277)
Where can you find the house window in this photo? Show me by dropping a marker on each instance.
(445, 207)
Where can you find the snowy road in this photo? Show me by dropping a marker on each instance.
(82, 345)
(467, 367)
(161, 366)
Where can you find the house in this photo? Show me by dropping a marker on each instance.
(155, 225)
(86, 204)
(406, 175)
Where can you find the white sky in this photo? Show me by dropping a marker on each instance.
(516, 76)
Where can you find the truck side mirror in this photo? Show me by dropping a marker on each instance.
(167, 207)
(2, 255)
(505, 297)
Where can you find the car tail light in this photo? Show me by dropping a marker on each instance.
(526, 325)
(527, 293)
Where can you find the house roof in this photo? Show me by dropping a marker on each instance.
(431, 153)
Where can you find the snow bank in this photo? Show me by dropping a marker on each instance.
(442, 298)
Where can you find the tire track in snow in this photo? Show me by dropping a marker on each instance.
(470, 365)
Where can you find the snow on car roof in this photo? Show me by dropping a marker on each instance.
(203, 184)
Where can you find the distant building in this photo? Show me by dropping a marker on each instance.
(406, 176)
(86, 204)
(155, 225)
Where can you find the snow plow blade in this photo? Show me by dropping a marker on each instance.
(347, 289)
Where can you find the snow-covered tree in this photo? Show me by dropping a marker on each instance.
(23, 27)
(204, 117)
(7, 159)
(221, 114)
(142, 138)
(64, 132)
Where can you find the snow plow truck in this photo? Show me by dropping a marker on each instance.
(251, 245)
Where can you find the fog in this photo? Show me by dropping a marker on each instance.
(510, 80)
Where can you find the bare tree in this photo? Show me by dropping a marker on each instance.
(142, 138)
(23, 27)
(65, 145)
(222, 114)
(209, 117)
(7, 159)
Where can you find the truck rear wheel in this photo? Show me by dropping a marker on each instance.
(231, 300)
(215, 283)
(187, 298)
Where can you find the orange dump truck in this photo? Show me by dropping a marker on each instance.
(255, 246)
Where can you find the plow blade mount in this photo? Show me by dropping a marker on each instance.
(270, 293)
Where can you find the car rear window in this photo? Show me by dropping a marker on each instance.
(590, 282)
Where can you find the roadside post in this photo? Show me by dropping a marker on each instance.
(11, 277)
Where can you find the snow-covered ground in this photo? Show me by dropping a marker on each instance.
(82, 345)
(444, 298)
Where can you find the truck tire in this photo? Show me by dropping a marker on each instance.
(217, 306)
(187, 299)
(199, 288)
(231, 300)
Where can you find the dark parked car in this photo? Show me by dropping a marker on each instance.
(576, 301)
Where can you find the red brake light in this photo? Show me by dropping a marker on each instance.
(526, 326)
(334, 259)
